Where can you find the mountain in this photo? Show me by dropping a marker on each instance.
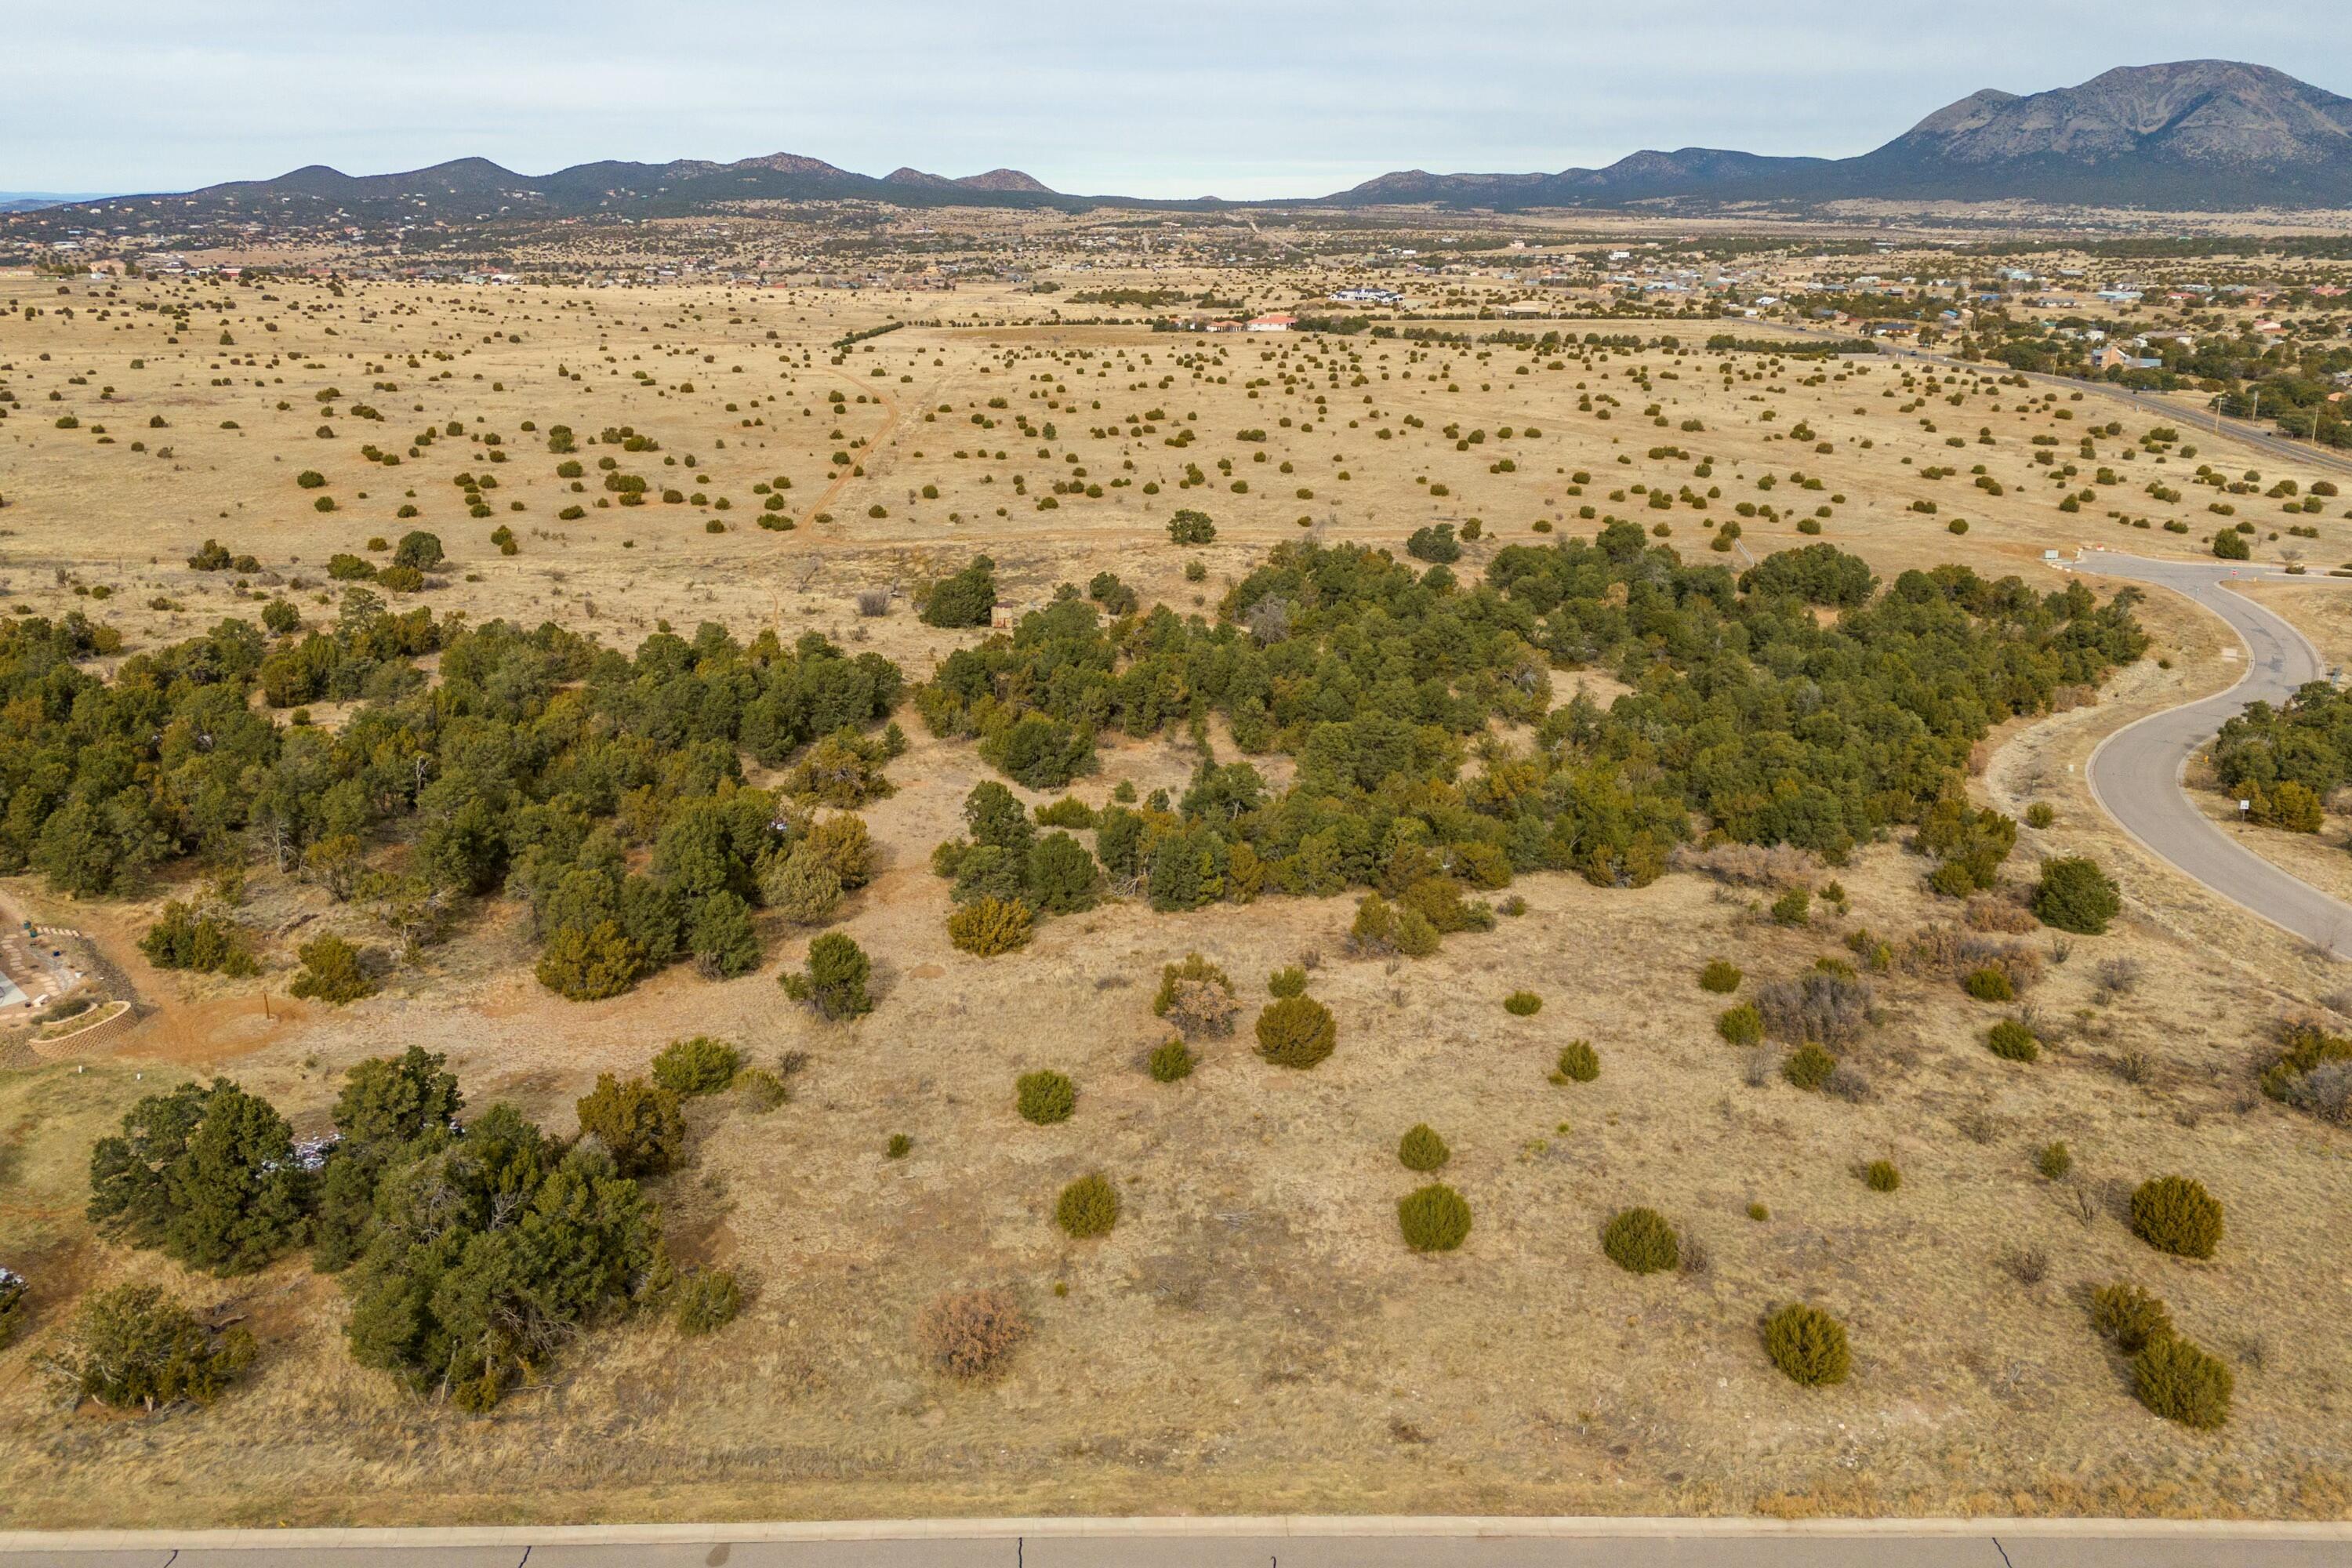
(2213, 134)
(474, 188)
(2197, 134)
(1003, 181)
(995, 180)
(34, 201)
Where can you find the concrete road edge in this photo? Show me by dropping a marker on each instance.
(1295, 1525)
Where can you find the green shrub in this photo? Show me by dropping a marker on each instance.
(898, 1147)
(1190, 527)
(1640, 1241)
(1420, 1149)
(966, 599)
(1809, 1066)
(1416, 937)
(833, 982)
(2040, 815)
(762, 1089)
(1793, 908)
(331, 973)
(1434, 1219)
(205, 1174)
(2180, 1381)
(721, 936)
(1522, 1004)
(419, 549)
(1579, 1063)
(709, 1299)
(2176, 1215)
(638, 1122)
(1953, 879)
(1880, 1177)
(2054, 1160)
(1170, 1060)
(203, 940)
(1067, 812)
(986, 927)
(135, 1345)
(1989, 984)
(1088, 1206)
(2311, 1070)
(2075, 895)
(588, 963)
(1721, 976)
(2013, 1041)
(1758, 1213)
(697, 1066)
(1741, 1026)
(801, 886)
(1295, 1032)
(1044, 1097)
(2131, 1316)
(1286, 982)
(1807, 1346)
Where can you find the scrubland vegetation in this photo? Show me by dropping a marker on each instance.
(1105, 988)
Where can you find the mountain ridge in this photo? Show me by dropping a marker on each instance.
(2187, 135)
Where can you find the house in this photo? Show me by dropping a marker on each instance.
(1276, 322)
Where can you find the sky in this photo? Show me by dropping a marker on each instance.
(1277, 97)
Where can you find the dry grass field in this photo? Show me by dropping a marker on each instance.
(1252, 1336)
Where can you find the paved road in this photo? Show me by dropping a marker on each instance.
(2136, 772)
(1243, 1543)
(2251, 433)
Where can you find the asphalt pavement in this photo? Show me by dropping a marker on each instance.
(2136, 773)
(1240, 1544)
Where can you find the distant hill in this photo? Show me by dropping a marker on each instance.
(2198, 135)
(469, 189)
(34, 201)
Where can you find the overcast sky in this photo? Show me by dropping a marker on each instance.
(1264, 99)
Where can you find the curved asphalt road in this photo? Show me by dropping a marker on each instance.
(2136, 772)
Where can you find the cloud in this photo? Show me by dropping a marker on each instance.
(1296, 97)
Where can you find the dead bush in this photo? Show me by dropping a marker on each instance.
(1831, 1009)
(1988, 912)
(1977, 1125)
(1943, 951)
(873, 602)
(2326, 1091)
(969, 1333)
(1750, 865)
(1197, 997)
(2118, 977)
(1848, 1083)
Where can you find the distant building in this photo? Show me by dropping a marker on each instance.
(1276, 322)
